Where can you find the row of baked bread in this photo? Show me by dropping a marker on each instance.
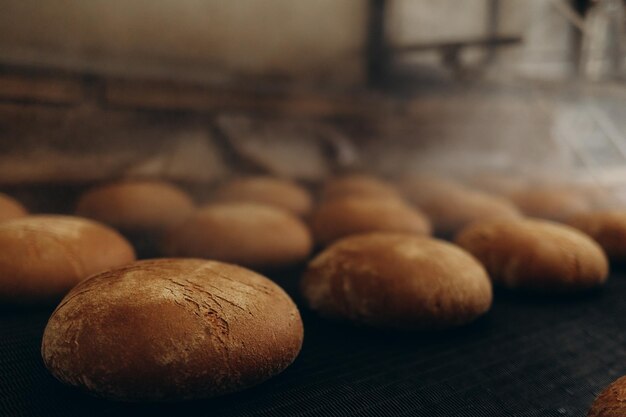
(176, 319)
(153, 330)
(267, 223)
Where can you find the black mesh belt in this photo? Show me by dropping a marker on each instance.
(528, 357)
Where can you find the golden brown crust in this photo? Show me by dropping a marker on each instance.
(10, 208)
(347, 216)
(253, 235)
(275, 192)
(359, 185)
(608, 228)
(136, 206)
(397, 281)
(172, 329)
(536, 255)
(551, 203)
(450, 206)
(43, 257)
(611, 402)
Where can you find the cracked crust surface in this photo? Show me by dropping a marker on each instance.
(136, 206)
(172, 329)
(274, 192)
(43, 257)
(536, 255)
(611, 402)
(397, 281)
(252, 235)
(354, 215)
(608, 228)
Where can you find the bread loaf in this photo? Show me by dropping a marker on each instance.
(611, 402)
(136, 206)
(276, 192)
(10, 208)
(608, 228)
(551, 203)
(450, 206)
(599, 197)
(253, 235)
(497, 183)
(43, 257)
(358, 185)
(422, 188)
(536, 255)
(397, 281)
(166, 330)
(347, 216)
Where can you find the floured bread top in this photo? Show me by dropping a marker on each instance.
(172, 329)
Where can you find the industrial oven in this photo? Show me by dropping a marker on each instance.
(486, 93)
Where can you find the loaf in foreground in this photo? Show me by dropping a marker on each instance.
(611, 402)
(397, 281)
(536, 255)
(608, 228)
(10, 208)
(43, 257)
(172, 329)
(253, 235)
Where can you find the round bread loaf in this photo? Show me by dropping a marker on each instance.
(551, 203)
(275, 192)
(43, 257)
(420, 189)
(609, 198)
(347, 216)
(608, 228)
(136, 206)
(536, 255)
(10, 208)
(599, 197)
(497, 184)
(252, 235)
(450, 207)
(397, 281)
(359, 185)
(172, 329)
(611, 402)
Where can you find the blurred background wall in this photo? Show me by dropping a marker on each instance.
(312, 40)
(320, 41)
(146, 70)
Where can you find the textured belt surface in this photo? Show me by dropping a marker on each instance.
(529, 356)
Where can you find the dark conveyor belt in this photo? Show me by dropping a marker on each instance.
(528, 357)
